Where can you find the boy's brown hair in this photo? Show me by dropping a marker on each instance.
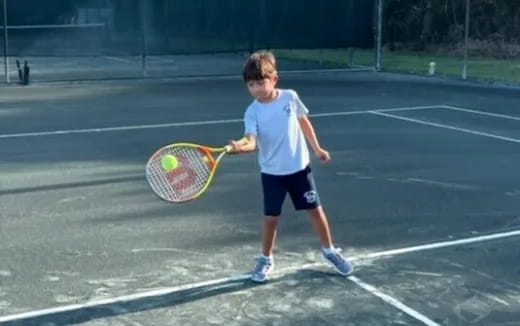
(258, 66)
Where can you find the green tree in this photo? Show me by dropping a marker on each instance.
(420, 25)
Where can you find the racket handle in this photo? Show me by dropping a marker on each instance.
(228, 148)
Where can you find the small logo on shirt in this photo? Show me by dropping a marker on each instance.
(311, 196)
(287, 109)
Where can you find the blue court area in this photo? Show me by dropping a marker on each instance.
(422, 194)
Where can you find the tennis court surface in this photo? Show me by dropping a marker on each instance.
(422, 193)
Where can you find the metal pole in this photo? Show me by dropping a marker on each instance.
(379, 34)
(466, 41)
(6, 45)
(144, 36)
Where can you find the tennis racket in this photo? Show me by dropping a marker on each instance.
(193, 171)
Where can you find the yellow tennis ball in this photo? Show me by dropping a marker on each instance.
(169, 162)
(206, 159)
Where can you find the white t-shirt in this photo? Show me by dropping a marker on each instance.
(281, 144)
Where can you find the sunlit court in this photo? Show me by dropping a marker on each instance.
(421, 192)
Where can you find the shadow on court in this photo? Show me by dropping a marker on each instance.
(83, 313)
(69, 186)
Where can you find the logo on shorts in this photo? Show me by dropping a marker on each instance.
(311, 196)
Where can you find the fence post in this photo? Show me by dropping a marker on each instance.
(6, 45)
(144, 53)
(379, 34)
(466, 41)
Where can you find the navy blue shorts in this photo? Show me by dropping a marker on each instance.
(299, 185)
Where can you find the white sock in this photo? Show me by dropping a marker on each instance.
(329, 250)
(267, 257)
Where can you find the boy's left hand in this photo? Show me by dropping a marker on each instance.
(322, 154)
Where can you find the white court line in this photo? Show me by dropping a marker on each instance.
(122, 128)
(121, 299)
(444, 244)
(491, 114)
(171, 290)
(194, 123)
(394, 302)
(71, 26)
(118, 59)
(406, 108)
(439, 125)
(442, 184)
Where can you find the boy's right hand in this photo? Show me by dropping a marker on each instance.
(235, 146)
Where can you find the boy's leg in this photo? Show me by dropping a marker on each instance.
(321, 226)
(269, 234)
(274, 192)
(305, 196)
(265, 263)
(331, 254)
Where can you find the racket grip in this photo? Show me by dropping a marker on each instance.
(228, 148)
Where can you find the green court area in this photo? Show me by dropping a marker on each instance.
(479, 68)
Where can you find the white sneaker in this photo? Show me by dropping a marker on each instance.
(340, 264)
(263, 267)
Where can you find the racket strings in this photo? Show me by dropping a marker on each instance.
(186, 180)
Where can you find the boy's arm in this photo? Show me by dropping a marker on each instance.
(310, 135)
(244, 144)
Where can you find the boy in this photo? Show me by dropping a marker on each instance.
(277, 123)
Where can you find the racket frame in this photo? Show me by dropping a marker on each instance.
(208, 151)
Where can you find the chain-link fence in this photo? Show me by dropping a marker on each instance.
(82, 39)
(465, 39)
